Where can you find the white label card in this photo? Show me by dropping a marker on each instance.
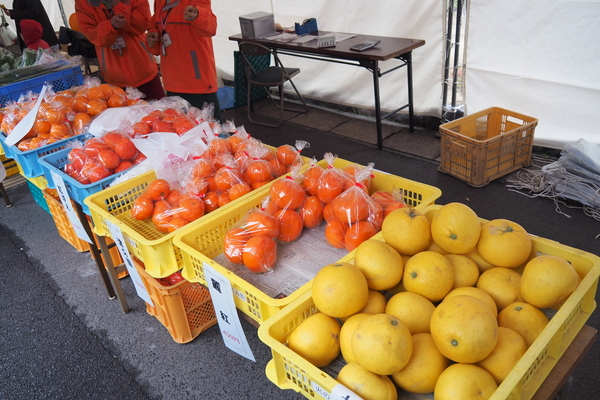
(61, 188)
(117, 237)
(227, 316)
(341, 392)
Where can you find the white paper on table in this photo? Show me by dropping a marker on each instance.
(342, 36)
(119, 240)
(226, 312)
(304, 39)
(63, 195)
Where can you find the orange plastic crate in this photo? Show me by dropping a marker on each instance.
(185, 309)
(486, 145)
(62, 222)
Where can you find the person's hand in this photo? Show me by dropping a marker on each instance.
(118, 21)
(151, 38)
(190, 13)
(6, 10)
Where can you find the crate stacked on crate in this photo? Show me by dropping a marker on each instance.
(10, 165)
(486, 145)
(201, 244)
(62, 221)
(184, 308)
(289, 370)
(37, 186)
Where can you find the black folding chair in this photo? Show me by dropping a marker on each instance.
(275, 75)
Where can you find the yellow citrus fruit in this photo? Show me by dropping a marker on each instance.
(366, 384)
(346, 335)
(466, 271)
(508, 351)
(504, 243)
(525, 319)
(424, 367)
(382, 344)
(456, 228)
(412, 309)
(433, 246)
(375, 304)
(340, 290)
(464, 382)
(317, 339)
(407, 230)
(475, 292)
(548, 281)
(380, 263)
(503, 284)
(481, 263)
(429, 274)
(464, 329)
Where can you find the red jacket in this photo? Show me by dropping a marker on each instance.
(32, 32)
(132, 65)
(188, 66)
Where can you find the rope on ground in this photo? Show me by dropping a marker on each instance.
(553, 181)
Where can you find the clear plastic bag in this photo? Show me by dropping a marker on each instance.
(252, 243)
(353, 216)
(332, 181)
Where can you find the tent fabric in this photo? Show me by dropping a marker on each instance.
(540, 60)
(537, 58)
(333, 82)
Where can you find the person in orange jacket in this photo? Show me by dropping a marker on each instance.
(117, 28)
(181, 33)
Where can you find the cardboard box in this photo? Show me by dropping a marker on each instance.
(257, 25)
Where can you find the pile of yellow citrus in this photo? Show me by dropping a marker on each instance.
(463, 302)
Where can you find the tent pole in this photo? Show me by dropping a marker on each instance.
(450, 11)
(62, 12)
(456, 51)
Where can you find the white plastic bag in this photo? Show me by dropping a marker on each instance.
(8, 36)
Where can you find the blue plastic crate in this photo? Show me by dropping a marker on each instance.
(77, 191)
(60, 80)
(38, 196)
(28, 160)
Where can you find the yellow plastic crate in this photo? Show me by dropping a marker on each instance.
(289, 370)
(201, 243)
(10, 165)
(153, 248)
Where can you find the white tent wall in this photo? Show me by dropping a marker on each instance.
(330, 81)
(541, 59)
(346, 84)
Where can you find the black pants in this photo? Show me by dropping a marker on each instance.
(198, 99)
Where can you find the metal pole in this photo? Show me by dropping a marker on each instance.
(456, 51)
(450, 12)
(62, 12)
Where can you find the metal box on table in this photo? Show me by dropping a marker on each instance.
(257, 25)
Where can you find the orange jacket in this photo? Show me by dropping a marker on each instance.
(188, 65)
(133, 65)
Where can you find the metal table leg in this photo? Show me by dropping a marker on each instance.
(95, 251)
(113, 273)
(108, 272)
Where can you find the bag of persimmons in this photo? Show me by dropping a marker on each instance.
(168, 206)
(353, 216)
(252, 241)
(100, 157)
